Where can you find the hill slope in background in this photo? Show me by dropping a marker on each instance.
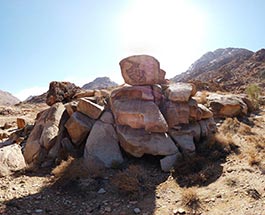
(230, 69)
(100, 83)
(7, 98)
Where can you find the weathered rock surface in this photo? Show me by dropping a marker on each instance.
(44, 133)
(169, 161)
(78, 126)
(133, 92)
(176, 113)
(206, 113)
(208, 126)
(139, 114)
(180, 92)
(89, 108)
(228, 105)
(102, 145)
(138, 142)
(60, 92)
(11, 159)
(142, 70)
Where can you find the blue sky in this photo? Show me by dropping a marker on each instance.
(77, 41)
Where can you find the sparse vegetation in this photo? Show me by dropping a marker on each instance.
(253, 91)
(190, 198)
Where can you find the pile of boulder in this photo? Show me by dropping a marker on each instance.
(147, 115)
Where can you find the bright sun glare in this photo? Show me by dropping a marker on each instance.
(170, 30)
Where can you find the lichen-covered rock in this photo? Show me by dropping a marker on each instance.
(142, 70)
(138, 142)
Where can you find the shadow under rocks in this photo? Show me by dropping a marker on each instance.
(204, 167)
(73, 190)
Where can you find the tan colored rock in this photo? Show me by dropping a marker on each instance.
(84, 93)
(180, 92)
(195, 111)
(102, 146)
(176, 113)
(138, 142)
(228, 105)
(142, 70)
(21, 123)
(139, 114)
(133, 92)
(206, 113)
(11, 159)
(78, 126)
(89, 108)
(71, 107)
(44, 133)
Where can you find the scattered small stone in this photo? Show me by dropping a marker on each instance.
(179, 211)
(101, 191)
(218, 196)
(108, 209)
(133, 202)
(38, 211)
(136, 210)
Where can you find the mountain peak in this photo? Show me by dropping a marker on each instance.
(100, 83)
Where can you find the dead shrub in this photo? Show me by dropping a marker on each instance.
(70, 170)
(253, 158)
(129, 181)
(190, 198)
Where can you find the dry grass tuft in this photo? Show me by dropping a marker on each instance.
(253, 158)
(129, 181)
(190, 198)
(70, 170)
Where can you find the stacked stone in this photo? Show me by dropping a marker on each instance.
(146, 116)
(154, 117)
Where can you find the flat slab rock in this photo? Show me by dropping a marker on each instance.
(138, 142)
(139, 114)
(142, 70)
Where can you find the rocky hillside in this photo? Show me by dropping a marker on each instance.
(7, 98)
(230, 69)
(100, 83)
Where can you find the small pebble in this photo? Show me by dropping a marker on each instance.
(136, 210)
(38, 210)
(101, 191)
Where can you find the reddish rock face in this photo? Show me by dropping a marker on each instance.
(139, 114)
(133, 92)
(142, 70)
(138, 142)
(60, 92)
(176, 113)
(89, 108)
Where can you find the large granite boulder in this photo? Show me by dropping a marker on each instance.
(11, 159)
(78, 126)
(44, 134)
(102, 146)
(138, 142)
(228, 105)
(142, 70)
(139, 114)
(61, 92)
(180, 92)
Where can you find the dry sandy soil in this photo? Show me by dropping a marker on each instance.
(226, 177)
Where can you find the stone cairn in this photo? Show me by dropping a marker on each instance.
(147, 115)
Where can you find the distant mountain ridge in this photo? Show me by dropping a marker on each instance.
(229, 69)
(7, 98)
(100, 83)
